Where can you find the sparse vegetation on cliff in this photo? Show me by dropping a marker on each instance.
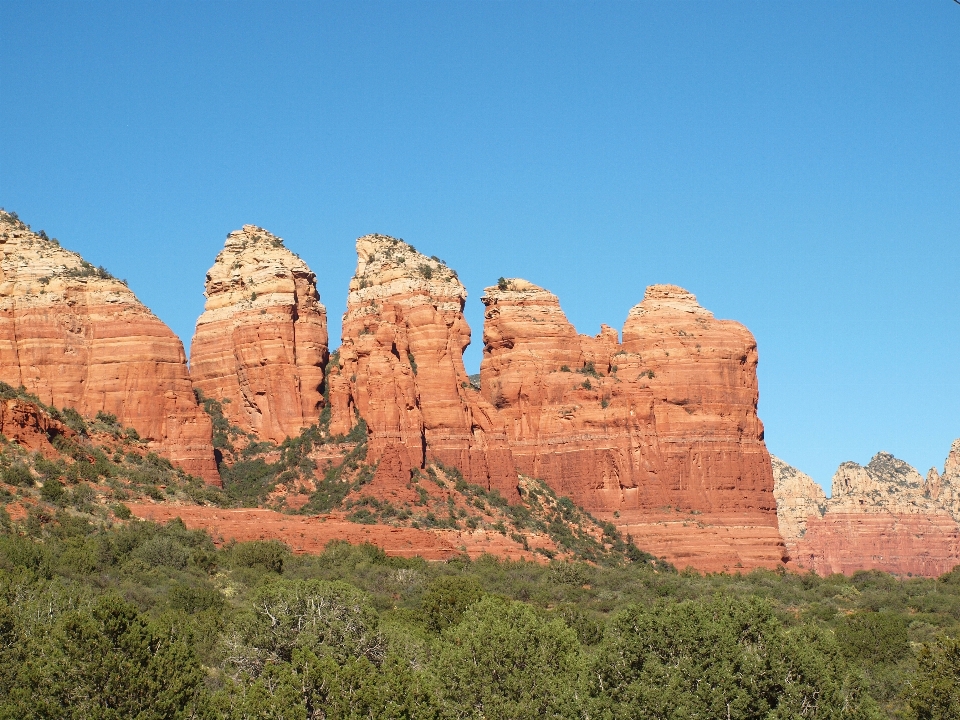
(88, 270)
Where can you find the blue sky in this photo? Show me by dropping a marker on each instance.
(795, 165)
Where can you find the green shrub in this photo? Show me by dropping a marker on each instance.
(513, 663)
(874, 636)
(192, 599)
(447, 600)
(935, 694)
(268, 555)
(107, 418)
(17, 474)
(52, 491)
(75, 421)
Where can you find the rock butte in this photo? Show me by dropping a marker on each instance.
(261, 342)
(400, 368)
(74, 336)
(664, 422)
(884, 516)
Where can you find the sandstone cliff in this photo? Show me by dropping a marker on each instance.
(75, 336)
(668, 417)
(400, 368)
(883, 516)
(664, 422)
(261, 342)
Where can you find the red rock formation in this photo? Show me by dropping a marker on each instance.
(302, 534)
(666, 420)
(920, 544)
(883, 516)
(75, 336)
(261, 343)
(26, 424)
(401, 368)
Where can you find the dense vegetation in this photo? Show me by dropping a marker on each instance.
(149, 621)
(105, 616)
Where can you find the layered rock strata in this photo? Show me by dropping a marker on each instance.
(261, 342)
(400, 368)
(883, 516)
(75, 336)
(664, 421)
(667, 417)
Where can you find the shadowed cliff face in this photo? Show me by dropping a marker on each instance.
(401, 368)
(76, 337)
(261, 343)
(884, 516)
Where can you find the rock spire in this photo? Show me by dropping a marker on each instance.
(261, 342)
(400, 368)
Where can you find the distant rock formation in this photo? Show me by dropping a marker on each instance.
(798, 498)
(75, 336)
(945, 489)
(400, 368)
(884, 516)
(261, 342)
(665, 421)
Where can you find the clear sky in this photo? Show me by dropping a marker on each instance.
(796, 165)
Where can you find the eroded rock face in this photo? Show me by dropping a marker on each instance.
(76, 337)
(400, 368)
(23, 423)
(664, 421)
(798, 498)
(882, 516)
(668, 417)
(945, 488)
(261, 342)
(918, 544)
